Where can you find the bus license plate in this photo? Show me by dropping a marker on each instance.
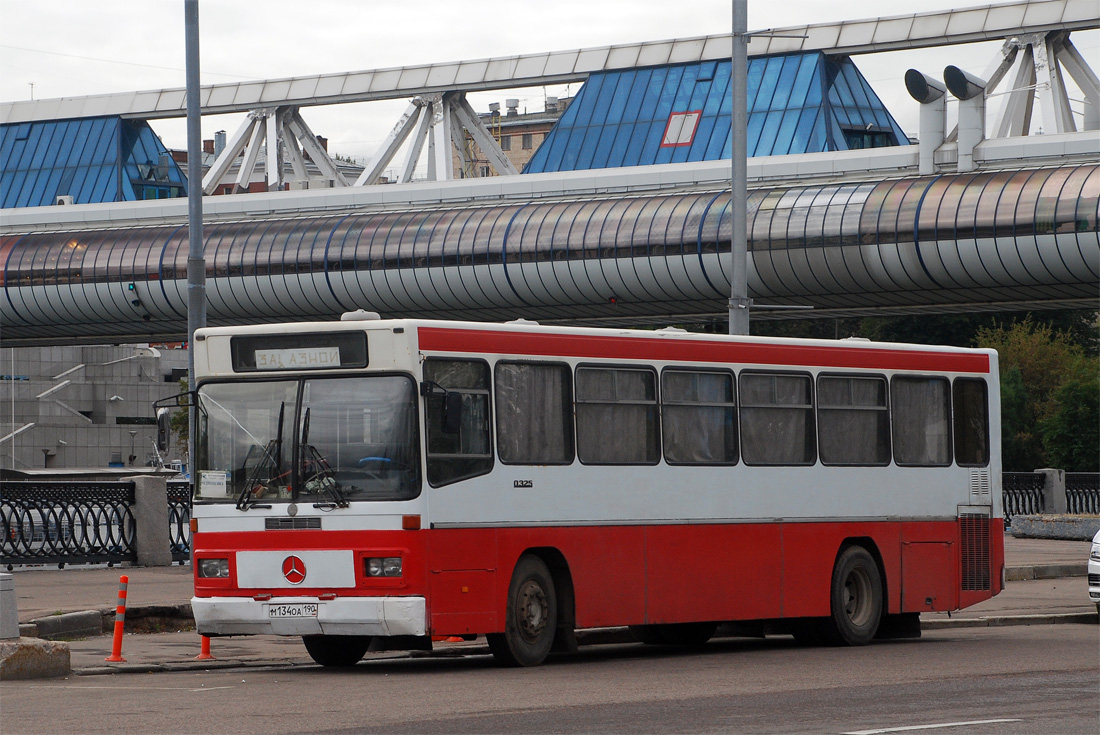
(298, 610)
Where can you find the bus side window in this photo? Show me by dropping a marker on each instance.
(921, 420)
(971, 422)
(534, 406)
(853, 425)
(454, 456)
(699, 416)
(777, 419)
(617, 418)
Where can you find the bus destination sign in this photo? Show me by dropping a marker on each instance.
(304, 351)
(305, 358)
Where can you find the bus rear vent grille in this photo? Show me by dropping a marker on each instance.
(979, 487)
(975, 551)
(289, 524)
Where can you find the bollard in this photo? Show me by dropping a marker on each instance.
(120, 621)
(204, 650)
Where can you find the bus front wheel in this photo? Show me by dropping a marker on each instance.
(531, 616)
(856, 599)
(336, 650)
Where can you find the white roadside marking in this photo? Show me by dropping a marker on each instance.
(926, 727)
(149, 689)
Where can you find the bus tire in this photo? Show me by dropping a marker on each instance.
(531, 616)
(339, 651)
(855, 599)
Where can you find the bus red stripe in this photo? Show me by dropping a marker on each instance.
(683, 350)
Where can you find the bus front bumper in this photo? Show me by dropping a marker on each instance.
(374, 616)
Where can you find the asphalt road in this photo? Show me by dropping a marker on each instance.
(1022, 679)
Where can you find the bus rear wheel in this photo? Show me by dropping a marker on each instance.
(531, 616)
(338, 651)
(856, 599)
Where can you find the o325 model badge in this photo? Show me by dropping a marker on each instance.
(294, 569)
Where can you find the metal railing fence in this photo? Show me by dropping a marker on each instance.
(1021, 494)
(179, 520)
(1083, 492)
(67, 522)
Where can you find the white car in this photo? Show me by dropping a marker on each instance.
(1094, 571)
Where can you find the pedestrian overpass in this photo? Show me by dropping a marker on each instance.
(963, 221)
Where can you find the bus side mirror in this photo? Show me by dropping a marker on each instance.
(452, 412)
(164, 429)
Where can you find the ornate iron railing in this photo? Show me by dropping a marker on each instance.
(179, 520)
(67, 522)
(1083, 492)
(1022, 493)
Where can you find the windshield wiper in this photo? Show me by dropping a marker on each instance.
(321, 480)
(272, 457)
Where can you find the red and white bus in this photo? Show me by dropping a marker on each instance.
(396, 480)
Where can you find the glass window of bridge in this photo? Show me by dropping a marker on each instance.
(534, 409)
(777, 419)
(617, 418)
(698, 412)
(466, 452)
(971, 422)
(921, 410)
(853, 425)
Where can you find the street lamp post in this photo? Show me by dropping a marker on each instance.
(196, 261)
(740, 302)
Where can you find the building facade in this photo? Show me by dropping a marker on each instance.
(85, 406)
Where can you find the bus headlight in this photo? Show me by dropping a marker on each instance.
(389, 566)
(217, 568)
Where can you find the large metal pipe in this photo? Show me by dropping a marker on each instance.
(970, 91)
(949, 242)
(933, 118)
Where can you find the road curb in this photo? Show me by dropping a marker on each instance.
(90, 623)
(995, 621)
(1045, 571)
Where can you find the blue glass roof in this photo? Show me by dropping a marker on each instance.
(799, 103)
(102, 159)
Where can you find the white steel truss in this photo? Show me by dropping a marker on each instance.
(283, 135)
(1038, 60)
(442, 122)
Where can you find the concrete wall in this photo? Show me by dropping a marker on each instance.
(83, 401)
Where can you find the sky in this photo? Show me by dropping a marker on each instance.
(69, 48)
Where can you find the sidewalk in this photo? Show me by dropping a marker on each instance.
(1047, 585)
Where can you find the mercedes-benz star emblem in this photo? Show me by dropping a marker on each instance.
(294, 569)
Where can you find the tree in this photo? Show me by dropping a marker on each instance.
(179, 422)
(1071, 433)
(1050, 399)
(1020, 445)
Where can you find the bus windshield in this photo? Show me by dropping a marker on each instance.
(327, 441)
